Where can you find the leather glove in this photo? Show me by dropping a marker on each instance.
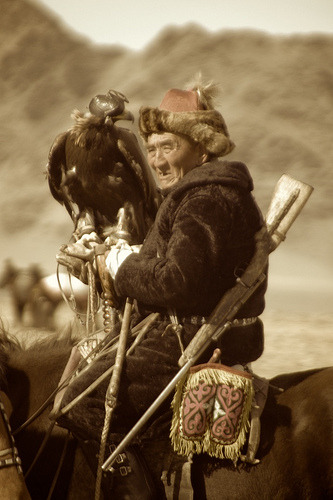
(76, 266)
(76, 255)
(78, 250)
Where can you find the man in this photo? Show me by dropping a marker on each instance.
(201, 241)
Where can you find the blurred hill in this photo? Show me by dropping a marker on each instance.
(276, 98)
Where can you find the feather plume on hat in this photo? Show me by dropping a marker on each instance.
(207, 91)
(190, 113)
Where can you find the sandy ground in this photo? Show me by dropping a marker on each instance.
(295, 341)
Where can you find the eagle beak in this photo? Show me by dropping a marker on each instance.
(125, 115)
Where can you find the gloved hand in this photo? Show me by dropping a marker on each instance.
(89, 240)
(78, 250)
(118, 254)
(76, 255)
(76, 266)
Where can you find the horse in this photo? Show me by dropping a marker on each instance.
(53, 290)
(36, 297)
(61, 471)
(295, 451)
(20, 283)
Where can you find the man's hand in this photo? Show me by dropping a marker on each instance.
(76, 266)
(90, 239)
(76, 255)
(78, 250)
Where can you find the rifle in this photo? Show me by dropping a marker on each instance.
(289, 198)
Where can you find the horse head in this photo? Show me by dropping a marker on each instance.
(20, 283)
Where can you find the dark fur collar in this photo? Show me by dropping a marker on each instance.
(226, 173)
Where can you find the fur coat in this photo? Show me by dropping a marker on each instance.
(201, 240)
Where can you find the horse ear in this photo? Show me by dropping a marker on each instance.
(9, 272)
(9, 266)
(36, 271)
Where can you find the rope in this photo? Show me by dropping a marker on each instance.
(100, 349)
(112, 390)
(71, 302)
(90, 314)
(92, 308)
(104, 436)
(77, 370)
(72, 296)
(91, 311)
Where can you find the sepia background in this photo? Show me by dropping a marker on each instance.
(276, 97)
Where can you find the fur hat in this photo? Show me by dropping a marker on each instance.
(190, 113)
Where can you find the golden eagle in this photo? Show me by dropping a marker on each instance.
(96, 167)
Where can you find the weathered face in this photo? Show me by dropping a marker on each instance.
(172, 156)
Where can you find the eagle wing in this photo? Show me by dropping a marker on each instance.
(56, 168)
(96, 167)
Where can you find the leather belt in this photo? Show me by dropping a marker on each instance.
(244, 321)
(201, 320)
(193, 320)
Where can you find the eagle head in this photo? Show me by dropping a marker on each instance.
(111, 105)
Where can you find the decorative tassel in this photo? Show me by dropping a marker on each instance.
(211, 410)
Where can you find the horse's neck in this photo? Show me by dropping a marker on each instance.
(5, 441)
(12, 484)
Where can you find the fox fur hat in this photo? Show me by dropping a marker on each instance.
(190, 113)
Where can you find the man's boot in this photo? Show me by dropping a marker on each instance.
(129, 479)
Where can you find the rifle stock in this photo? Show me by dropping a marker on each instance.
(289, 198)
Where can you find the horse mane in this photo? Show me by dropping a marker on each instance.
(16, 346)
(8, 345)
